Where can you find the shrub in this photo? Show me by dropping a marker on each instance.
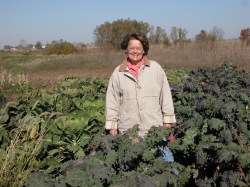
(245, 36)
(60, 48)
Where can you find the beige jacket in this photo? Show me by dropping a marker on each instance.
(146, 101)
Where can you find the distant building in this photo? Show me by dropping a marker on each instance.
(13, 49)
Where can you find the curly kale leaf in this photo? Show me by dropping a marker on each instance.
(225, 155)
(205, 183)
(148, 155)
(232, 178)
(155, 136)
(244, 160)
(216, 124)
(40, 179)
(133, 154)
(225, 136)
(136, 179)
(111, 158)
(89, 171)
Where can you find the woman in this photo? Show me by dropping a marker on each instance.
(138, 91)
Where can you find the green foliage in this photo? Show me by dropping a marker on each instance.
(83, 172)
(212, 105)
(177, 76)
(2, 99)
(57, 138)
(136, 179)
(40, 179)
(50, 128)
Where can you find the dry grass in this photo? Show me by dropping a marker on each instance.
(9, 79)
(194, 55)
(99, 63)
(20, 160)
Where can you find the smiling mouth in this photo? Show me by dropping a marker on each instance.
(135, 54)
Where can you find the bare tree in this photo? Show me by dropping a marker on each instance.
(158, 36)
(178, 34)
(217, 33)
(7, 47)
(22, 44)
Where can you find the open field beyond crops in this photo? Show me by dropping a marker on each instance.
(37, 68)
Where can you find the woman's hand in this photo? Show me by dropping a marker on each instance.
(171, 137)
(168, 125)
(113, 132)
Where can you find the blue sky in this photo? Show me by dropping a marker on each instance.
(75, 21)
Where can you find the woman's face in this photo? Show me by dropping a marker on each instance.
(135, 51)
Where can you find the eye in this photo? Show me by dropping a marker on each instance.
(135, 49)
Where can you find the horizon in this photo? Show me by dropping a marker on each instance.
(74, 22)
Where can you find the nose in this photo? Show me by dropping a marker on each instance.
(135, 49)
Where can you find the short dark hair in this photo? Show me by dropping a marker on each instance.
(136, 36)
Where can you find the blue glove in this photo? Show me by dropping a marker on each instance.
(166, 154)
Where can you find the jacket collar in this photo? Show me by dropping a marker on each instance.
(123, 66)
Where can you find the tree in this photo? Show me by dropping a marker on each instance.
(158, 36)
(7, 47)
(22, 44)
(103, 34)
(245, 36)
(178, 34)
(113, 33)
(202, 36)
(216, 33)
(30, 46)
(38, 45)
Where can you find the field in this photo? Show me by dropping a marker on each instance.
(52, 120)
(99, 63)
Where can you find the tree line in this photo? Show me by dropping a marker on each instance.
(110, 34)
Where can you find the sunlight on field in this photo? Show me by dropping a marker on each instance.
(100, 62)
